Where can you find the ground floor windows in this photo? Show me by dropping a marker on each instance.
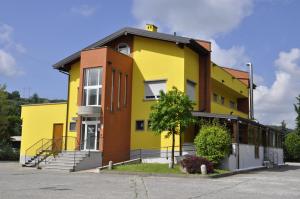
(90, 132)
(139, 125)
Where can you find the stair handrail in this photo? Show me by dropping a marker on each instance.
(31, 147)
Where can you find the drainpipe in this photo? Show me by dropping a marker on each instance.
(251, 110)
(67, 114)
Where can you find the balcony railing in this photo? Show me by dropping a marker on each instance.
(222, 109)
(89, 110)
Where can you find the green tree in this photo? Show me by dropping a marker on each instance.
(171, 114)
(4, 137)
(292, 146)
(297, 109)
(213, 141)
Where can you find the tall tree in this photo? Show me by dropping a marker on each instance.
(297, 109)
(172, 114)
(3, 115)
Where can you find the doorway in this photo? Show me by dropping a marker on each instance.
(90, 130)
(57, 137)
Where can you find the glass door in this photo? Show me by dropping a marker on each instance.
(90, 135)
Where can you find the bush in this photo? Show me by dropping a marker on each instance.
(213, 142)
(292, 146)
(192, 164)
(8, 153)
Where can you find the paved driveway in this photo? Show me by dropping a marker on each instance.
(17, 182)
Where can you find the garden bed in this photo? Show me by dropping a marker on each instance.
(156, 169)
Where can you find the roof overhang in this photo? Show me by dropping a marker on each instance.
(62, 64)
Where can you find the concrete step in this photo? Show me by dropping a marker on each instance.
(59, 168)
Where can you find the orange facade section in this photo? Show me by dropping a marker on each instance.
(115, 101)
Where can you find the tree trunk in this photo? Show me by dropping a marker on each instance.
(173, 146)
(180, 144)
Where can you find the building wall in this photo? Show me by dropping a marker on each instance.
(232, 89)
(153, 60)
(116, 129)
(37, 123)
(74, 79)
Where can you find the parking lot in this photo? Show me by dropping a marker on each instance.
(18, 182)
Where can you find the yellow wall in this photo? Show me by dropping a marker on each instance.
(73, 95)
(219, 74)
(231, 89)
(191, 72)
(38, 123)
(153, 60)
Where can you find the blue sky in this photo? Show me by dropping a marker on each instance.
(265, 32)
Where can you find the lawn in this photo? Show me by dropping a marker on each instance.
(157, 168)
(148, 168)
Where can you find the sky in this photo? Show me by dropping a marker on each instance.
(36, 34)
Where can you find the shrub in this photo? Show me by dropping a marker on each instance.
(292, 146)
(213, 142)
(192, 164)
(8, 153)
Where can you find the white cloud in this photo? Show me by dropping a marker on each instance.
(7, 43)
(275, 103)
(6, 39)
(205, 19)
(83, 10)
(8, 64)
(231, 57)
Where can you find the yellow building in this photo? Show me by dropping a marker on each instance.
(112, 85)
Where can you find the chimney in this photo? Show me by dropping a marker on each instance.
(151, 27)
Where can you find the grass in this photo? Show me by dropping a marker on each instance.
(157, 168)
(148, 168)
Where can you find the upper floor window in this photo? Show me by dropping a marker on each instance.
(222, 100)
(232, 104)
(152, 88)
(123, 48)
(215, 97)
(92, 88)
(190, 90)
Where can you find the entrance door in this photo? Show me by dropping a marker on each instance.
(57, 137)
(90, 135)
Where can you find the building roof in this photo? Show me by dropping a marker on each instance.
(197, 45)
(243, 76)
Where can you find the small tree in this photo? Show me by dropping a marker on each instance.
(297, 109)
(213, 141)
(171, 114)
(292, 146)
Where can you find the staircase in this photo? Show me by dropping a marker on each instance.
(66, 160)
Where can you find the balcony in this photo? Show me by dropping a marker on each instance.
(89, 110)
(222, 109)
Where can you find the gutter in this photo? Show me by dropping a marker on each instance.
(67, 112)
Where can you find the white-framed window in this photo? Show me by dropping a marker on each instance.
(125, 89)
(119, 90)
(190, 89)
(123, 48)
(153, 88)
(92, 89)
(112, 89)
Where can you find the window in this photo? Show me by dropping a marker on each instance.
(112, 90)
(92, 89)
(72, 126)
(149, 125)
(125, 90)
(232, 104)
(190, 90)
(119, 89)
(215, 97)
(123, 48)
(139, 125)
(152, 89)
(222, 100)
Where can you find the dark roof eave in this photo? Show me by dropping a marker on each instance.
(134, 31)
